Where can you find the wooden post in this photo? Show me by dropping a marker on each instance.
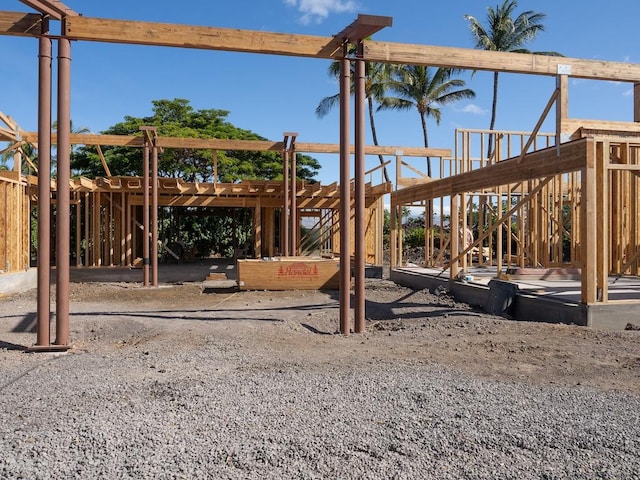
(87, 239)
(78, 228)
(454, 239)
(257, 230)
(268, 215)
(124, 235)
(602, 223)
(154, 210)
(131, 231)
(562, 105)
(95, 233)
(636, 102)
(145, 211)
(588, 230)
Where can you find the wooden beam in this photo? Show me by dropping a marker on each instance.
(213, 38)
(475, 59)
(580, 128)
(189, 36)
(163, 142)
(227, 144)
(375, 150)
(20, 24)
(538, 164)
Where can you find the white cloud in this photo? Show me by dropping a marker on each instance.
(473, 109)
(318, 10)
(628, 92)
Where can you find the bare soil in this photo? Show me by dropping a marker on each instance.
(301, 327)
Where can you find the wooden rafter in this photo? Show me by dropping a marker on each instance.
(54, 8)
(541, 163)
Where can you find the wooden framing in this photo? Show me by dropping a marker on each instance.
(15, 224)
(572, 205)
(538, 201)
(108, 204)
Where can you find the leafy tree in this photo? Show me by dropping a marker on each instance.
(177, 118)
(425, 89)
(74, 150)
(376, 78)
(203, 230)
(503, 33)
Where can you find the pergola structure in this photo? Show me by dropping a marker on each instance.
(109, 206)
(604, 157)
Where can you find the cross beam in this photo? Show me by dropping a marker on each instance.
(54, 8)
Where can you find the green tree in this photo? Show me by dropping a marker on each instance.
(177, 118)
(74, 149)
(376, 77)
(504, 33)
(425, 89)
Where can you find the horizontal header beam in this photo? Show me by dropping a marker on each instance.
(189, 36)
(226, 144)
(474, 59)
(148, 33)
(212, 38)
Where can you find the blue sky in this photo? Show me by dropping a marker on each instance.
(274, 94)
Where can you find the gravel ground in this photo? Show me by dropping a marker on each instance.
(164, 394)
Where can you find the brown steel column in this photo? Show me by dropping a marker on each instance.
(154, 213)
(284, 233)
(359, 267)
(145, 212)
(44, 188)
(294, 203)
(63, 191)
(345, 194)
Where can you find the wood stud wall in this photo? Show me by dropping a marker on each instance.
(584, 219)
(14, 224)
(111, 233)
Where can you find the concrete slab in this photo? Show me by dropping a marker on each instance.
(167, 273)
(17, 282)
(553, 298)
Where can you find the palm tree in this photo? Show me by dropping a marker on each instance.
(376, 77)
(425, 89)
(503, 33)
(28, 153)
